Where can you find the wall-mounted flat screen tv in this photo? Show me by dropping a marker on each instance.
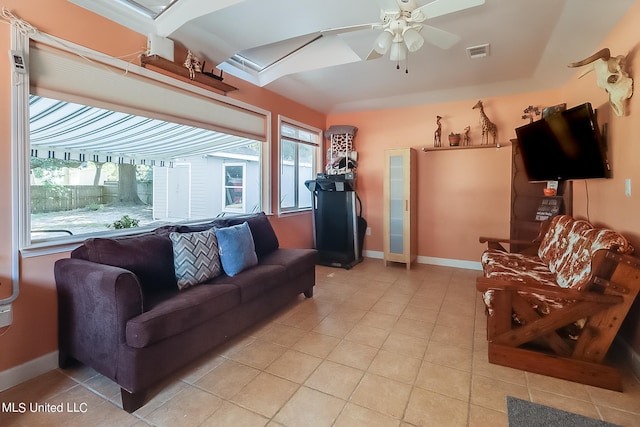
(564, 146)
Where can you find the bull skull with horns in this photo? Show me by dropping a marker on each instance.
(610, 77)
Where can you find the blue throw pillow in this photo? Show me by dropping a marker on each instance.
(236, 248)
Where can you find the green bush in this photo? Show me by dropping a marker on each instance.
(125, 222)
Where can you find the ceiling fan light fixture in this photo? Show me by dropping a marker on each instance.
(398, 52)
(413, 39)
(383, 42)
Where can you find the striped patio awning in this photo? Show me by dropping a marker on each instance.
(64, 130)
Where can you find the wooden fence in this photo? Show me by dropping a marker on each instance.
(54, 198)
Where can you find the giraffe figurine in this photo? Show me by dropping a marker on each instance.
(193, 64)
(466, 140)
(487, 126)
(437, 135)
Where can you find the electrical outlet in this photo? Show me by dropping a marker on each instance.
(6, 315)
(368, 233)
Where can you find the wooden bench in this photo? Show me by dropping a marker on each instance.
(556, 310)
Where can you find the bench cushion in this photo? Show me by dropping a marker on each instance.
(576, 270)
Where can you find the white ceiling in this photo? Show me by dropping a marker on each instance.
(531, 43)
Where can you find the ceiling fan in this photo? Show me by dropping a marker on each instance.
(404, 30)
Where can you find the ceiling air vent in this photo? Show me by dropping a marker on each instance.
(479, 51)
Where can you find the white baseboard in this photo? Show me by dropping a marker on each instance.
(448, 262)
(28, 370)
(444, 262)
(373, 254)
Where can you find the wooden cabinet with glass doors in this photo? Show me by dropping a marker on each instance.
(400, 206)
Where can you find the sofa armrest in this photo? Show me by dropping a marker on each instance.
(95, 301)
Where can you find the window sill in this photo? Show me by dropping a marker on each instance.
(283, 214)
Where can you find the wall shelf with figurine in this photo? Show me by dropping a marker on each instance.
(465, 147)
(174, 68)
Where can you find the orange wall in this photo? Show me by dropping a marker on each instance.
(34, 329)
(462, 194)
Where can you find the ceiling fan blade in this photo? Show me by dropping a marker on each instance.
(373, 55)
(444, 7)
(389, 5)
(437, 37)
(342, 30)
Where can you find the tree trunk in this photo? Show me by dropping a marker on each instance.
(96, 177)
(127, 185)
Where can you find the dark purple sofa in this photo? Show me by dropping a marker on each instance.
(121, 313)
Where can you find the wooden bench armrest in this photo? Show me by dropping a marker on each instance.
(484, 284)
(485, 239)
(496, 242)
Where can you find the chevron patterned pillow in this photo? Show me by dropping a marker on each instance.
(195, 257)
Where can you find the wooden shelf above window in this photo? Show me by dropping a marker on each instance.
(178, 69)
(465, 147)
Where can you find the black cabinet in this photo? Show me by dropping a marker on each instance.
(529, 205)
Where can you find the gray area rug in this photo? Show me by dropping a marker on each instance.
(523, 413)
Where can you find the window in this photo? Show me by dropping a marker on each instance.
(120, 156)
(234, 187)
(94, 169)
(299, 158)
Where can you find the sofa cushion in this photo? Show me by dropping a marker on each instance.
(296, 261)
(254, 281)
(264, 237)
(172, 312)
(195, 257)
(148, 256)
(237, 250)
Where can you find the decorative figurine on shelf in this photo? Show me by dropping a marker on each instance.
(341, 157)
(487, 126)
(193, 64)
(454, 139)
(466, 140)
(437, 135)
(529, 112)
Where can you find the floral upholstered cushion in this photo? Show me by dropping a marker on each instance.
(550, 245)
(561, 240)
(520, 268)
(514, 266)
(576, 270)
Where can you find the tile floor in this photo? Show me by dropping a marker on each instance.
(376, 346)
